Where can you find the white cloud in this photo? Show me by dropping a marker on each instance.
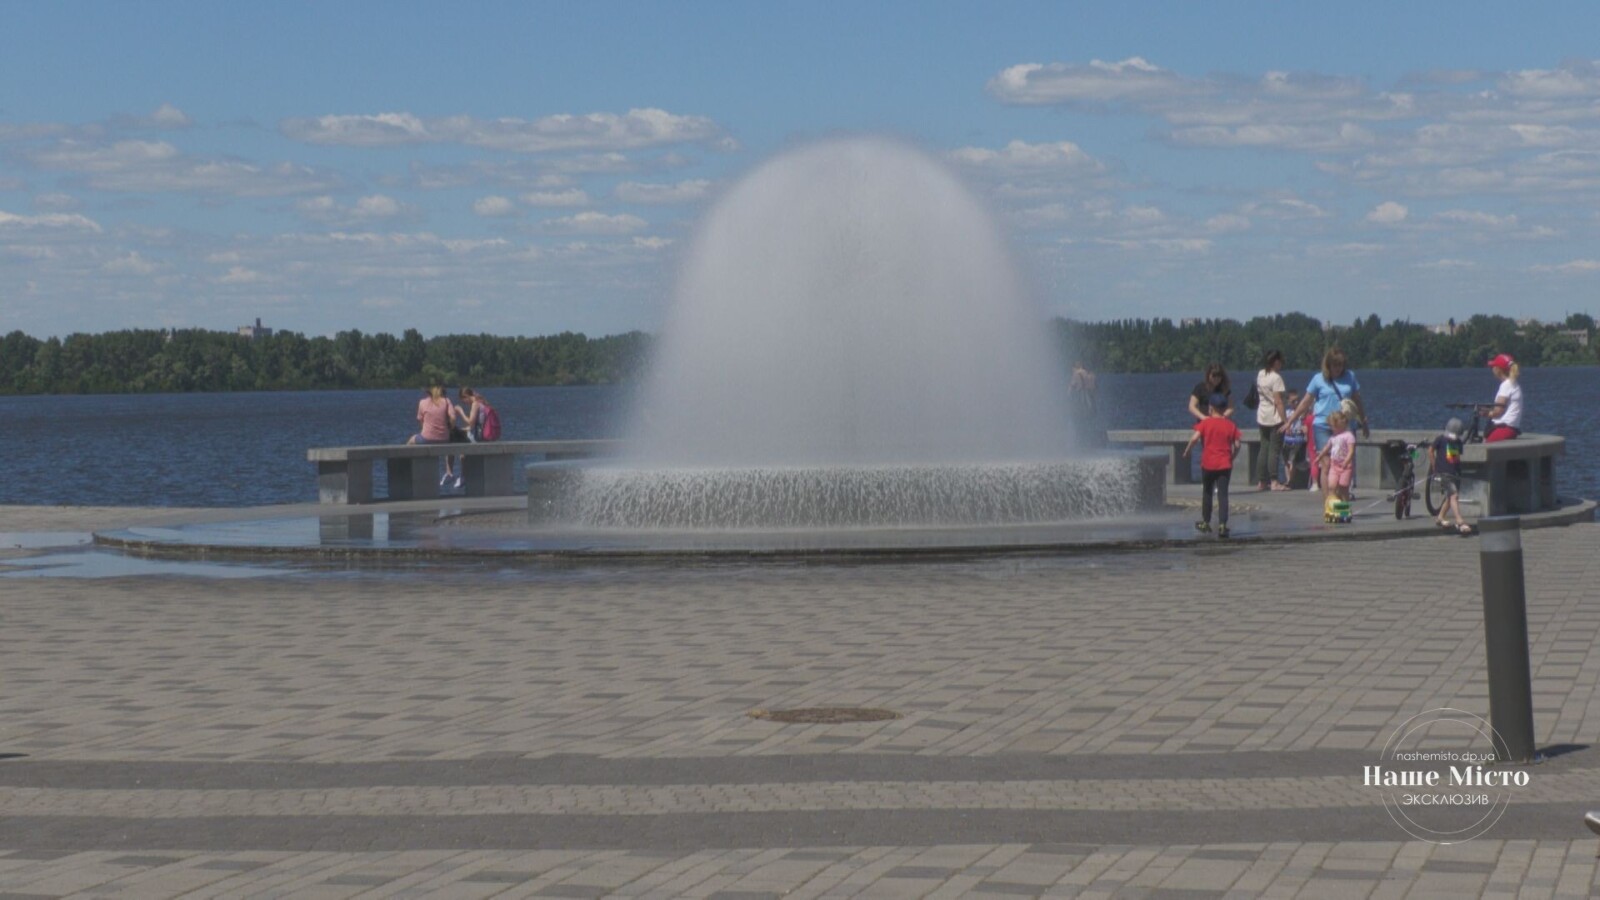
(493, 207)
(1020, 156)
(1097, 82)
(1227, 223)
(1388, 213)
(1476, 219)
(1285, 208)
(1314, 138)
(1447, 264)
(165, 117)
(157, 166)
(57, 202)
(634, 129)
(652, 243)
(50, 221)
(240, 275)
(595, 223)
(547, 199)
(131, 264)
(647, 194)
(373, 208)
(1574, 267)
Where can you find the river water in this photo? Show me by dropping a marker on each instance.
(250, 449)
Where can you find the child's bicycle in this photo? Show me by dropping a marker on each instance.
(1432, 488)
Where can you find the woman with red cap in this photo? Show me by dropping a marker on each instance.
(1505, 416)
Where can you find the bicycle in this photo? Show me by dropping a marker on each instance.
(1433, 489)
(1474, 433)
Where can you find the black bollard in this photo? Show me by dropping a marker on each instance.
(1505, 631)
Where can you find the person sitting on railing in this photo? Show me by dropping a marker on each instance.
(1505, 416)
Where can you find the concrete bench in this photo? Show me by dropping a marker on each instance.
(1515, 476)
(344, 474)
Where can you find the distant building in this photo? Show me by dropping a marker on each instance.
(255, 332)
(1577, 334)
(1444, 328)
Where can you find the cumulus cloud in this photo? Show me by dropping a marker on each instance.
(1574, 267)
(1095, 83)
(157, 166)
(165, 117)
(493, 207)
(1388, 213)
(1227, 223)
(634, 129)
(48, 221)
(1475, 219)
(57, 202)
(130, 264)
(1017, 157)
(545, 199)
(595, 223)
(1285, 208)
(374, 208)
(648, 194)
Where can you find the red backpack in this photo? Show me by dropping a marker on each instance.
(491, 424)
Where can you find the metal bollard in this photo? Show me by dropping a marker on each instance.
(1505, 631)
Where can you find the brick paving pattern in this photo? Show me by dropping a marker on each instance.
(1187, 723)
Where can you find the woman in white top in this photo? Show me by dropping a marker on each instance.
(1505, 417)
(1270, 415)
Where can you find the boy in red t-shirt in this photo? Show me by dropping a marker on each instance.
(1220, 442)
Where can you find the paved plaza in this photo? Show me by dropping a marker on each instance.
(1175, 723)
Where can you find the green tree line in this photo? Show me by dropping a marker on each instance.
(183, 360)
(1160, 345)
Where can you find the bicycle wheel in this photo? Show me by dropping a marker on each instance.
(1402, 504)
(1434, 496)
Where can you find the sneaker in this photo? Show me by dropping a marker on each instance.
(1312, 488)
(444, 478)
(1222, 531)
(458, 482)
(1203, 527)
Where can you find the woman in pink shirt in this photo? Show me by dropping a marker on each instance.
(435, 413)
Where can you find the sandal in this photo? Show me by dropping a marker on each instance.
(1464, 530)
(1280, 486)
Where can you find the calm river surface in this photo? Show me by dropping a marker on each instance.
(249, 449)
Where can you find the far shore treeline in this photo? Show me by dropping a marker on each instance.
(184, 360)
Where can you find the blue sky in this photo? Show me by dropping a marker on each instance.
(526, 168)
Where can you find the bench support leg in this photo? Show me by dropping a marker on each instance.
(488, 476)
(413, 478)
(344, 482)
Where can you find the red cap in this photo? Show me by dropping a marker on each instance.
(1502, 361)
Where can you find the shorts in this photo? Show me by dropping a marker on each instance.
(1449, 485)
(1340, 476)
(419, 439)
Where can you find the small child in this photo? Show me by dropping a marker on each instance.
(1294, 440)
(1339, 457)
(1444, 461)
(1220, 442)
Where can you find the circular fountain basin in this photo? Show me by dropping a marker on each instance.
(898, 496)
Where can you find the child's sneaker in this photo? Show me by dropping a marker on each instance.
(444, 478)
(1203, 527)
(1222, 531)
(458, 482)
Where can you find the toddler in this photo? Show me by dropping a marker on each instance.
(1339, 457)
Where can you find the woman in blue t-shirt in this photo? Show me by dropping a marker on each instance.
(1327, 392)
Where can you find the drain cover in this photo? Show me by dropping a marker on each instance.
(824, 715)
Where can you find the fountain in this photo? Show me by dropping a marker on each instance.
(850, 346)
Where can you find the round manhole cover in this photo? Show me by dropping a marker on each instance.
(824, 715)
